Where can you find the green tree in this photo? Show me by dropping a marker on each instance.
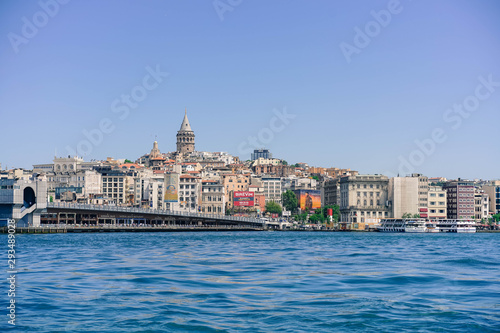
(406, 216)
(284, 162)
(315, 177)
(273, 207)
(318, 216)
(335, 212)
(290, 201)
(314, 218)
(496, 217)
(416, 216)
(302, 217)
(128, 161)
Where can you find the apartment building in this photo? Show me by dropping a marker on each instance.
(459, 199)
(437, 203)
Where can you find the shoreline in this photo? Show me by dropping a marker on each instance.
(122, 229)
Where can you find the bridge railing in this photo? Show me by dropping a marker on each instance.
(121, 209)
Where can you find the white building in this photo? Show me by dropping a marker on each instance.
(403, 196)
(189, 193)
(272, 189)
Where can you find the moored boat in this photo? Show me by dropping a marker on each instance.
(422, 225)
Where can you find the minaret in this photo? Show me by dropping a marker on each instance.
(185, 137)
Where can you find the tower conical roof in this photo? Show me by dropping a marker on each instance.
(185, 123)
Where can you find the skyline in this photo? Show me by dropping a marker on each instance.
(364, 111)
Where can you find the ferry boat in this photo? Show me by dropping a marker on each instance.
(459, 226)
(422, 225)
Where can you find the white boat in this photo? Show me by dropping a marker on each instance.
(422, 225)
(415, 226)
(459, 226)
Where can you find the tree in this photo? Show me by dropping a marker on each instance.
(318, 216)
(416, 216)
(315, 177)
(128, 161)
(496, 217)
(301, 217)
(406, 216)
(273, 208)
(290, 201)
(335, 212)
(284, 162)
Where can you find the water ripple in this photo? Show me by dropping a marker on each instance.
(257, 282)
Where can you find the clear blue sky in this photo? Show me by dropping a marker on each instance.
(231, 74)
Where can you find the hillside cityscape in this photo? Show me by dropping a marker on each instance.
(218, 183)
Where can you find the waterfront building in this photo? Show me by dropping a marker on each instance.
(185, 137)
(330, 191)
(437, 203)
(363, 198)
(260, 153)
(403, 194)
(493, 191)
(481, 205)
(459, 199)
(423, 190)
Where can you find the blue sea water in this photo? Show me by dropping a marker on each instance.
(256, 282)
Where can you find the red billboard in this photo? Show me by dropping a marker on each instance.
(243, 198)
